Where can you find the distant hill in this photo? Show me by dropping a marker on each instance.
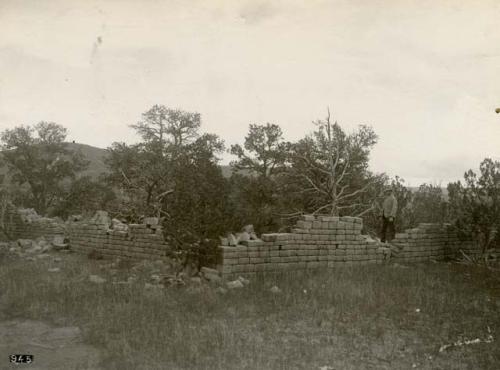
(96, 158)
(94, 155)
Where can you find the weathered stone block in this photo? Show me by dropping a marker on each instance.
(252, 243)
(304, 224)
(329, 218)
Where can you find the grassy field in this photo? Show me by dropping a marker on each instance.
(367, 317)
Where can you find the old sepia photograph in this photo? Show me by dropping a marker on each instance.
(250, 184)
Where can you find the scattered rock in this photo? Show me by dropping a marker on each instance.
(190, 270)
(275, 290)
(213, 278)
(236, 284)
(221, 290)
(208, 270)
(117, 225)
(149, 286)
(96, 279)
(54, 269)
(156, 279)
(173, 280)
(59, 242)
(28, 215)
(248, 229)
(34, 249)
(43, 255)
(120, 282)
(210, 274)
(101, 218)
(151, 221)
(75, 218)
(195, 280)
(232, 241)
(243, 237)
(243, 280)
(46, 247)
(25, 243)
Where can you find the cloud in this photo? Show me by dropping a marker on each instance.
(255, 12)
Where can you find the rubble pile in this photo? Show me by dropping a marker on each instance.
(28, 215)
(31, 249)
(247, 233)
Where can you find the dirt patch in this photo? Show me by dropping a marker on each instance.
(52, 347)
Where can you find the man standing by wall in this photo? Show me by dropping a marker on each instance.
(389, 209)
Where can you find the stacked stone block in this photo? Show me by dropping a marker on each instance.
(139, 241)
(20, 228)
(316, 242)
(431, 242)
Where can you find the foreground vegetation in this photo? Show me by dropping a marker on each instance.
(366, 317)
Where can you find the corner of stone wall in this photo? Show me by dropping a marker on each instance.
(429, 241)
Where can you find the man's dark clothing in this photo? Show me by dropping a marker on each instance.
(388, 229)
(389, 210)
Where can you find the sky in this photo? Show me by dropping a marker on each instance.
(424, 74)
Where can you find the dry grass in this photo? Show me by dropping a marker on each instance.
(349, 318)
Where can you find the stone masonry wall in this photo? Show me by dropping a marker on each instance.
(136, 241)
(316, 242)
(431, 241)
(141, 241)
(323, 242)
(23, 224)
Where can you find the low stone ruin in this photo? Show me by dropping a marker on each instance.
(315, 242)
(322, 241)
(326, 242)
(100, 234)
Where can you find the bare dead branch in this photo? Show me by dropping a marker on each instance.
(311, 182)
(353, 205)
(359, 191)
(312, 165)
(321, 208)
(342, 189)
(346, 165)
(365, 211)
